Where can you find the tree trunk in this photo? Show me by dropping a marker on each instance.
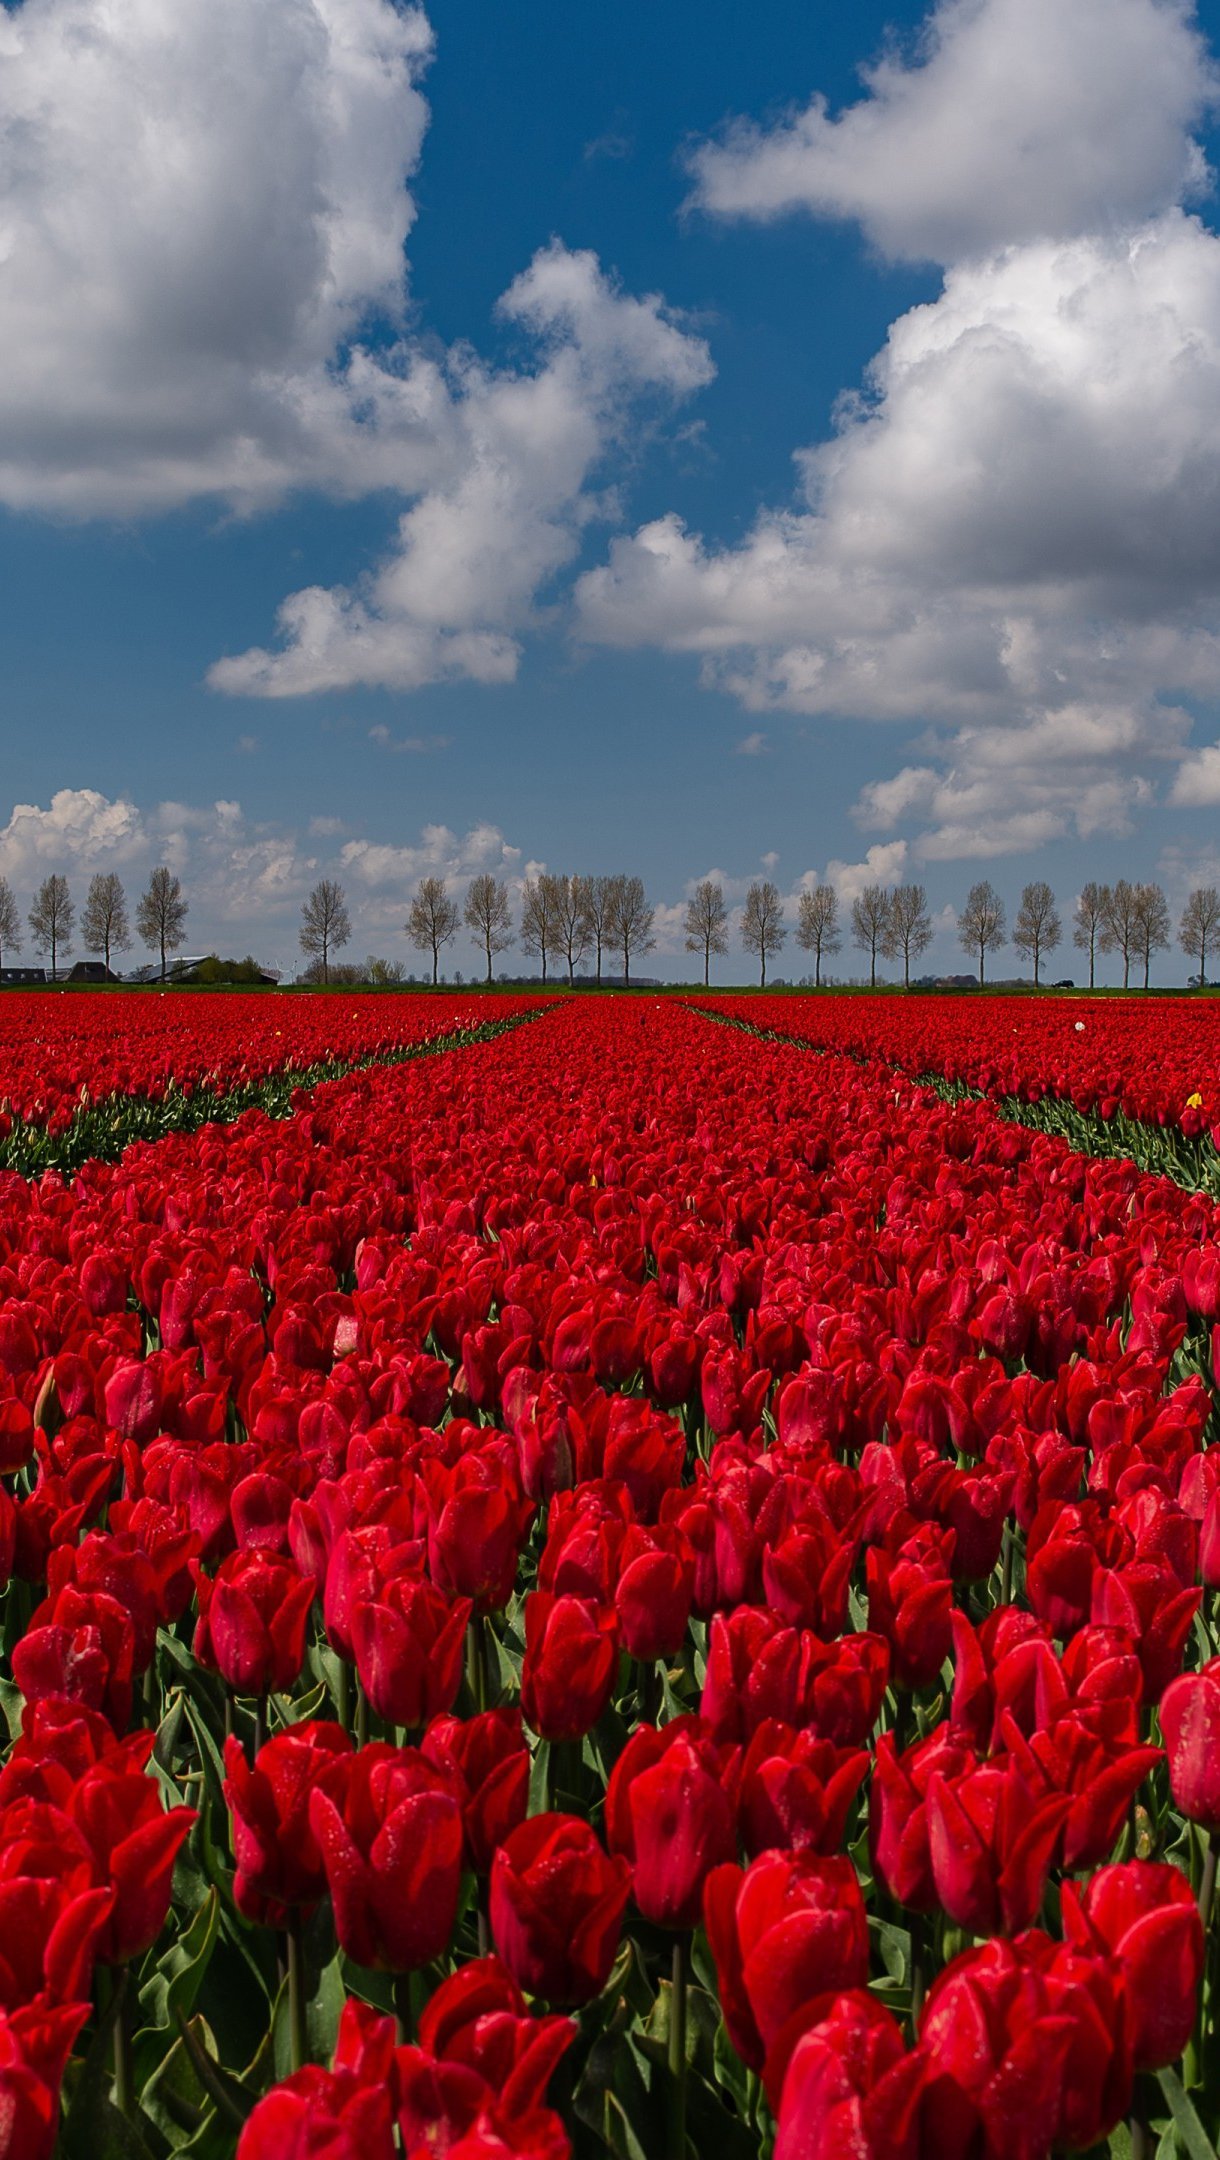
(599, 959)
(1092, 961)
(762, 974)
(436, 961)
(1147, 964)
(872, 970)
(1126, 969)
(982, 963)
(707, 965)
(489, 959)
(906, 967)
(817, 966)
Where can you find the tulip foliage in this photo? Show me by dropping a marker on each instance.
(620, 1588)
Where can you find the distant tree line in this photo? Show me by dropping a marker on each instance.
(160, 919)
(565, 920)
(568, 920)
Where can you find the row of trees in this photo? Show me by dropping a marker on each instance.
(1131, 920)
(105, 929)
(564, 920)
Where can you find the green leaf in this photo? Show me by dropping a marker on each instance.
(894, 1944)
(232, 2099)
(93, 2128)
(12, 1703)
(540, 1779)
(1193, 2136)
(211, 1757)
(323, 2009)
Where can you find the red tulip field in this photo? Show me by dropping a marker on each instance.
(583, 1581)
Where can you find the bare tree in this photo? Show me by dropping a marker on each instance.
(539, 923)
(433, 920)
(762, 924)
(569, 899)
(707, 922)
(104, 926)
(1152, 925)
(629, 925)
(1090, 921)
(599, 905)
(981, 926)
(1121, 926)
(1037, 929)
(817, 928)
(325, 923)
(10, 921)
(51, 918)
(909, 930)
(161, 914)
(383, 974)
(1199, 926)
(870, 925)
(488, 914)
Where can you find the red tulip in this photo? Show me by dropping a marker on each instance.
(1144, 1914)
(253, 1618)
(850, 2087)
(51, 1912)
(796, 1790)
(35, 2043)
(135, 1841)
(391, 1846)
(490, 1761)
(784, 1931)
(1031, 2042)
(669, 1813)
(992, 1834)
(408, 1646)
(478, 2019)
(557, 1903)
(340, 2114)
(571, 1660)
(899, 1837)
(279, 1864)
(1190, 1723)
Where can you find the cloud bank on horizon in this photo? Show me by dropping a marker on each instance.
(1011, 540)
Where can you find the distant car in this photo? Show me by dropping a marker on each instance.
(1066, 984)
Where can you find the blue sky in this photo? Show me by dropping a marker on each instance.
(976, 635)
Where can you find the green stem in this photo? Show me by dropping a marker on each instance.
(1006, 1566)
(298, 2036)
(476, 1661)
(677, 2052)
(1192, 2067)
(343, 1695)
(260, 1723)
(919, 1969)
(1207, 1888)
(124, 2074)
(362, 1715)
(410, 1994)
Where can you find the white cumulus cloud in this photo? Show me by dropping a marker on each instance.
(507, 507)
(1012, 120)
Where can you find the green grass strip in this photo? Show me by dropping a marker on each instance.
(102, 1131)
(1158, 1150)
